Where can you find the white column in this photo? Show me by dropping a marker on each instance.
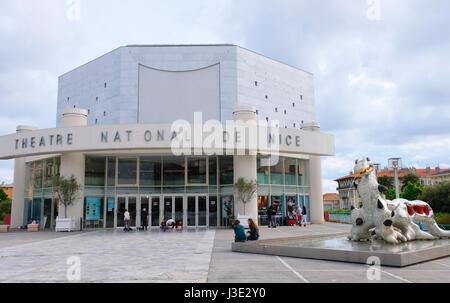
(244, 166)
(72, 163)
(315, 176)
(18, 203)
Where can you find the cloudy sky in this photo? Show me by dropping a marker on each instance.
(381, 68)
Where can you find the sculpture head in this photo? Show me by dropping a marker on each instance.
(363, 166)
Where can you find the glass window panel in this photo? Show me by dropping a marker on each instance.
(202, 210)
(303, 172)
(121, 205)
(191, 211)
(95, 171)
(212, 171)
(111, 171)
(290, 171)
(178, 209)
(150, 171)
(262, 171)
(38, 174)
(155, 211)
(127, 170)
(262, 210)
(226, 170)
(212, 211)
(227, 210)
(197, 170)
(276, 172)
(173, 171)
(168, 208)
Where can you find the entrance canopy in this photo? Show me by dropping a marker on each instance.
(182, 138)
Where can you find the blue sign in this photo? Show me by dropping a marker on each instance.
(93, 208)
(110, 204)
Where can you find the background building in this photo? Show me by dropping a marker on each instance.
(331, 201)
(8, 189)
(348, 195)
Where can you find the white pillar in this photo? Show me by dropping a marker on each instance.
(315, 176)
(18, 203)
(72, 163)
(244, 166)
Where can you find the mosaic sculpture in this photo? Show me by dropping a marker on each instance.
(393, 221)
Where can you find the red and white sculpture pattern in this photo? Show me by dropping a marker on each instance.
(393, 221)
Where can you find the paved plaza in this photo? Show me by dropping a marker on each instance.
(194, 256)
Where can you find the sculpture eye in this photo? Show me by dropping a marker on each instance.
(368, 159)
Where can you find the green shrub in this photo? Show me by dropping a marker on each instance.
(5, 208)
(442, 218)
(340, 211)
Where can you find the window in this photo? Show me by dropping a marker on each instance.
(262, 171)
(301, 97)
(257, 112)
(276, 110)
(267, 97)
(150, 171)
(94, 171)
(173, 171)
(96, 98)
(293, 104)
(96, 120)
(196, 171)
(67, 99)
(104, 114)
(74, 106)
(212, 171)
(111, 171)
(127, 171)
(294, 124)
(226, 170)
(256, 83)
(89, 111)
(276, 173)
(290, 169)
(285, 112)
(267, 119)
(105, 85)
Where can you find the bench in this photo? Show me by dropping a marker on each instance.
(33, 227)
(4, 228)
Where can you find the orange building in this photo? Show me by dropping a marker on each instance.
(8, 188)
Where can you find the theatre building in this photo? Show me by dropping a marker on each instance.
(118, 131)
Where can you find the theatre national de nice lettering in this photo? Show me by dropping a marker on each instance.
(127, 128)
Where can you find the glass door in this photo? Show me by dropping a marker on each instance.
(191, 201)
(129, 203)
(143, 209)
(197, 211)
(202, 211)
(178, 209)
(155, 211)
(168, 207)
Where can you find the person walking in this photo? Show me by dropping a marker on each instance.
(303, 216)
(239, 232)
(144, 218)
(253, 234)
(273, 212)
(269, 216)
(126, 218)
(163, 225)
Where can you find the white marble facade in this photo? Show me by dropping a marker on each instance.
(108, 86)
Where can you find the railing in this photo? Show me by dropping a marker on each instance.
(339, 218)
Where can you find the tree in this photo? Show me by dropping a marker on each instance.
(409, 178)
(3, 195)
(411, 192)
(438, 196)
(245, 190)
(386, 181)
(66, 190)
(390, 194)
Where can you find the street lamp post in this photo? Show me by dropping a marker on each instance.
(395, 163)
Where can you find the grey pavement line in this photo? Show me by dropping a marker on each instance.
(291, 269)
(46, 240)
(395, 276)
(439, 263)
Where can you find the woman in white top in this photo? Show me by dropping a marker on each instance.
(126, 218)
